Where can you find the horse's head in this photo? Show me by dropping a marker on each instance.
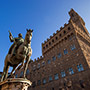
(28, 36)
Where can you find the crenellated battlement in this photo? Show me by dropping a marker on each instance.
(38, 59)
(56, 36)
(55, 33)
(59, 34)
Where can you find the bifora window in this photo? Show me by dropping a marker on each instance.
(65, 51)
(80, 67)
(56, 76)
(63, 74)
(44, 81)
(50, 78)
(71, 71)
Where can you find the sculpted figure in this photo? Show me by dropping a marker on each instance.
(16, 42)
(19, 52)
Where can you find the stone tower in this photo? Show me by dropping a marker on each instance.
(75, 18)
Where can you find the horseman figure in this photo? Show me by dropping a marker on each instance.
(19, 52)
(16, 42)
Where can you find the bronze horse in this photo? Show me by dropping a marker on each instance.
(24, 52)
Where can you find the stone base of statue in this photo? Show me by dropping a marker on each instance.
(15, 84)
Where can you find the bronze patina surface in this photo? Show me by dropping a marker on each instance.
(19, 52)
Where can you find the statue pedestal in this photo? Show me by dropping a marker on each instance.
(15, 84)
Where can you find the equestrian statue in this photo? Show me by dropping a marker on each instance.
(19, 52)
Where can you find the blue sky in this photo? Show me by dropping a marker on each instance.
(43, 16)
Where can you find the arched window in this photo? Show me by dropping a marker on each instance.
(50, 78)
(56, 76)
(80, 67)
(65, 51)
(44, 81)
(63, 74)
(71, 71)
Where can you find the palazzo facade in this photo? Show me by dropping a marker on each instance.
(65, 60)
